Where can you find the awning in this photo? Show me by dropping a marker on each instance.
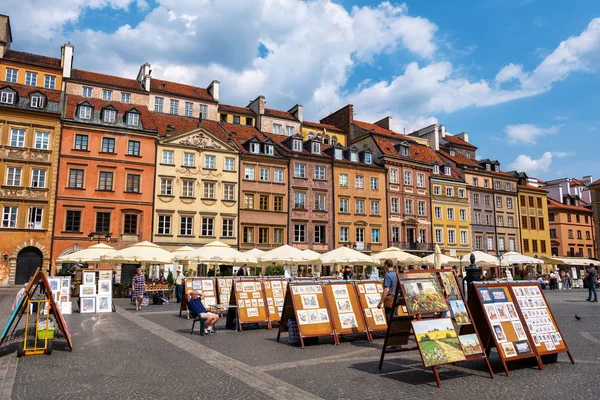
(575, 261)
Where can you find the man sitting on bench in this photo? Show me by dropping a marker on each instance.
(196, 309)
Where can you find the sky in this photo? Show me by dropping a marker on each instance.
(520, 76)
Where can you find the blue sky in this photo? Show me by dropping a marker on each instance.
(493, 68)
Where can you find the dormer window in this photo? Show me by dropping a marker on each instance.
(447, 170)
(452, 153)
(109, 116)
(37, 101)
(576, 201)
(488, 167)
(297, 145)
(133, 119)
(568, 201)
(497, 168)
(468, 155)
(404, 149)
(85, 112)
(7, 97)
(339, 154)
(354, 156)
(311, 136)
(326, 139)
(368, 158)
(255, 148)
(334, 140)
(436, 169)
(269, 149)
(316, 148)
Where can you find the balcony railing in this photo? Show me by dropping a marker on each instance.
(414, 246)
(361, 246)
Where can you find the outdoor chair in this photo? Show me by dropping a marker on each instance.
(198, 319)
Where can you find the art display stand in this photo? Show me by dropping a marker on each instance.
(61, 290)
(206, 287)
(345, 309)
(247, 298)
(224, 286)
(95, 291)
(274, 290)
(305, 303)
(38, 279)
(369, 294)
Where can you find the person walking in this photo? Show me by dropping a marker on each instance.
(566, 281)
(390, 281)
(552, 280)
(179, 286)
(592, 279)
(138, 285)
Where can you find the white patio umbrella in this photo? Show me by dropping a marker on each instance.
(90, 255)
(347, 256)
(218, 253)
(285, 253)
(254, 252)
(143, 252)
(180, 252)
(398, 256)
(484, 259)
(312, 256)
(512, 257)
(444, 259)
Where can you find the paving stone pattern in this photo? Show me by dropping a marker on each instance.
(150, 354)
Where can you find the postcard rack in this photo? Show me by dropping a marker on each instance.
(345, 308)
(248, 302)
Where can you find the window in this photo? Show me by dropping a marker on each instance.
(368, 158)
(228, 228)
(297, 145)
(277, 129)
(188, 109)
(577, 218)
(374, 235)
(12, 75)
(278, 236)
(476, 198)
(249, 173)
(209, 161)
(451, 236)
(447, 170)
(525, 245)
(133, 148)
(249, 121)
(437, 190)
(360, 236)
(509, 203)
(320, 172)
(105, 181)
(587, 235)
(501, 244)
(437, 212)
(408, 206)
(289, 130)
(579, 236)
(553, 233)
(254, 148)
(359, 182)
(164, 225)
(263, 202)
(133, 119)
(534, 246)
(478, 243)
(487, 200)
(86, 91)
(477, 219)
(586, 219)
(344, 206)
(106, 95)
(277, 203)
(125, 98)
(374, 183)
(130, 224)
(500, 220)
(263, 235)
(81, 142)
(507, 188)
(339, 154)
(344, 180)
(486, 183)
(85, 112)
(34, 219)
(343, 234)
(229, 191)
(158, 104)
(249, 201)
(42, 140)
(73, 221)
(187, 187)
(353, 156)
(524, 222)
(31, 78)
(208, 227)
(497, 185)
(511, 244)
(300, 171)
(522, 201)
(532, 220)
(166, 186)
(421, 208)
(320, 202)
(464, 238)
(450, 191)
(530, 198)
(37, 102)
(9, 216)
(541, 223)
(462, 214)
(404, 150)
(539, 202)
(488, 219)
(316, 147)
(7, 97)
(186, 226)
(374, 208)
(300, 200)
(203, 111)
(229, 164)
(475, 181)
(299, 233)
(209, 190)
(420, 180)
(76, 179)
(408, 178)
(450, 212)
(490, 243)
(278, 176)
(248, 235)
(511, 222)
(17, 137)
(108, 145)
(543, 246)
(395, 234)
(568, 217)
(38, 178)
(393, 175)
(439, 235)
(268, 149)
(320, 235)
(360, 207)
(499, 202)
(436, 169)
(102, 222)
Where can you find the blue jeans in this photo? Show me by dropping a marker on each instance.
(592, 289)
(179, 292)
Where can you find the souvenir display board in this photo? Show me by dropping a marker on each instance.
(369, 295)
(205, 287)
(505, 327)
(539, 320)
(345, 308)
(249, 297)
(306, 304)
(422, 292)
(61, 291)
(275, 296)
(438, 341)
(224, 286)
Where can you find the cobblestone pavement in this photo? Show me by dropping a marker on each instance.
(150, 354)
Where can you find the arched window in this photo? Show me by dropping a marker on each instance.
(334, 140)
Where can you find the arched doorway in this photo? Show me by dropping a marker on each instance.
(28, 261)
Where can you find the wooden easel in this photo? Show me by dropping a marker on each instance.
(356, 309)
(241, 312)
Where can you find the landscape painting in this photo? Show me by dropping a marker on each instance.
(470, 344)
(459, 312)
(424, 296)
(437, 341)
(450, 284)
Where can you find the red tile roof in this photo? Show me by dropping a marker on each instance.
(173, 124)
(180, 89)
(529, 187)
(216, 129)
(459, 142)
(318, 125)
(596, 182)
(459, 159)
(106, 80)
(226, 108)
(241, 133)
(33, 59)
(553, 204)
(576, 182)
(25, 91)
(279, 139)
(269, 112)
(379, 130)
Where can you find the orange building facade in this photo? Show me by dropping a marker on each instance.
(571, 230)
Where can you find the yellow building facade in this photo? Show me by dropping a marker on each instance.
(330, 135)
(534, 222)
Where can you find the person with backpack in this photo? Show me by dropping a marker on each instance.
(592, 279)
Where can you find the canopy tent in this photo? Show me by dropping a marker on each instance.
(218, 253)
(512, 257)
(347, 256)
(143, 252)
(398, 256)
(285, 254)
(571, 261)
(444, 259)
(90, 255)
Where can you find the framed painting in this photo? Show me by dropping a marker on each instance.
(423, 296)
(87, 305)
(438, 341)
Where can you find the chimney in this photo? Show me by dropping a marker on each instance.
(442, 130)
(464, 136)
(435, 139)
(66, 59)
(213, 89)
(342, 118)
(587, 180)
(5, 34)
(143, 76)
(385, 123)
(298, 112)
(258, 105)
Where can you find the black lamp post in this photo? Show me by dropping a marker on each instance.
(473, 273)
(99, 236)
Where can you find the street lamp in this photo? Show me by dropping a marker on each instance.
(99, 236)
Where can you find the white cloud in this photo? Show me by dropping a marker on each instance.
(528, 133)
(563, 154)
(537, 166)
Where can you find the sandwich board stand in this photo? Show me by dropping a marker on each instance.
(205, 287)
(247, 304)
(369, 294)
(275, 296)
(345, 309)
(305, 303)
